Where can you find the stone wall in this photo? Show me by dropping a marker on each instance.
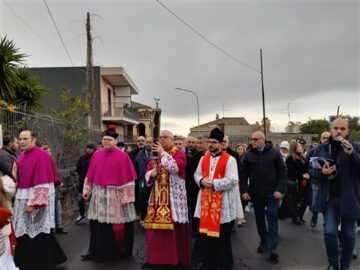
(275, 138)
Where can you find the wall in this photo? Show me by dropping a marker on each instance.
(238, 130)
(74, 78)
(122, 95)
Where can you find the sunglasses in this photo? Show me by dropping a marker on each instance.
(255, 139)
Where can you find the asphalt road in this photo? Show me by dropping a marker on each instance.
(300, 247)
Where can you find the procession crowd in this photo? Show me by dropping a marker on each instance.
(180, 189)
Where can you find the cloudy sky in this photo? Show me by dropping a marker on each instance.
(311, 52)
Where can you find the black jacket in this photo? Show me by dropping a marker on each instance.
(81, 168)
(266, 171)
(296, 168)
(7, 159)
(191, 187)
(140, 164)
(133, 154)
(349, 174)
(235, 155)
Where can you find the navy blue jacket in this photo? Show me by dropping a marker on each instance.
(349, 174)
(266, 171)
(141, 161)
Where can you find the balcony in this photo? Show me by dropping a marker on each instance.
(120, 113)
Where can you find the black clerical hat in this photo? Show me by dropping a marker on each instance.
(217, 134)
(110, 133)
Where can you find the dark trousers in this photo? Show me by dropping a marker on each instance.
(217, 251)
(304, 200)
(81, 205)
(144, 201)
(137, 197)
(192, 199)
(266, 206)
(348, 225)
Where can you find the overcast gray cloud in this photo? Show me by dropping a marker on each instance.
(311, 53)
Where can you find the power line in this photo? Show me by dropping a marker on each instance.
(30, 28)
(57, 30)
(207, 40)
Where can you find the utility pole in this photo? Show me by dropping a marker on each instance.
(263, 94)
(288, 109)
(90, 93)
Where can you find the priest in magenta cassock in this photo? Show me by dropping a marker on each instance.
(34, 208)
(110, 182)
(167, 215)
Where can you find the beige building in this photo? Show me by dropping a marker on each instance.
(232, 126)
(131, 119)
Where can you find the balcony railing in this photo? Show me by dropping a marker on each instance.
(121, 110)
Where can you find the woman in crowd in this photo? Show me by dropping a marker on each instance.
(241, 150)
(297, 173)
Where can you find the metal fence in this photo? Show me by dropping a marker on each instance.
(65, 140)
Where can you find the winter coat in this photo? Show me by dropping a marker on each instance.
(349, 174)
(265, 170)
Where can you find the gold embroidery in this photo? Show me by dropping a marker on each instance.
(159, 212)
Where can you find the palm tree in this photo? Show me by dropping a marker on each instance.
(29, 91)
(10, 58)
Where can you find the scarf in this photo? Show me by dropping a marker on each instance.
(211, 200)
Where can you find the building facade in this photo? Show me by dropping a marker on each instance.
(114, 90)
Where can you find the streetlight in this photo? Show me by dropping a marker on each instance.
(197, 101)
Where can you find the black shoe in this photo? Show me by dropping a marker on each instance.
(331, 267)
(302, 221)
(313, 221)
(87, 256)
(79, 219)
(274, 257)
(262, 249)
(60, 231)
(296, 221)
(354, 256)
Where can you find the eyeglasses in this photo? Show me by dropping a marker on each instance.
(255, 139)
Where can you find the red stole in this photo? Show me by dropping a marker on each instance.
(211, 200)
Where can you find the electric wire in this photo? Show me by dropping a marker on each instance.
(29, 27)
(207, 40)
(57, 30)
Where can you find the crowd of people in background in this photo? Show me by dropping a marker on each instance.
(165, 184)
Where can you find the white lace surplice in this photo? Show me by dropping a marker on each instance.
(231, 204)
(41, 220)
(178, 200)
(111, 204)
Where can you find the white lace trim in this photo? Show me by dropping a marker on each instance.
(178, 200)
(25, 193)
(108, 204)
(41, 220)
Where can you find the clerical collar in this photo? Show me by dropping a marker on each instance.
(216, 155)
